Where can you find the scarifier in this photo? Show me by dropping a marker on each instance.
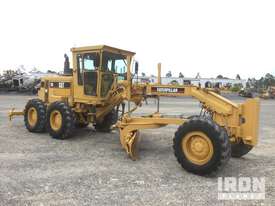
(101, 83)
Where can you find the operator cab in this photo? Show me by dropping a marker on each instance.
(97, 69)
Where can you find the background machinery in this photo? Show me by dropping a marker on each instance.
(269, 93)
(246, 92)
(99, 84)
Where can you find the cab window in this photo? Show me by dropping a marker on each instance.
(85, 63)
(89, 61)
(114, 62)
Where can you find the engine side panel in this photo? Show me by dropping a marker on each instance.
(57, 88)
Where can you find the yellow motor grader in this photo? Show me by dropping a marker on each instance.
(100, 84)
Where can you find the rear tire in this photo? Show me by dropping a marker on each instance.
(108, 121)
(240, 149)
(82, 124)
(201, 146)
(60, 120)
(35, 116)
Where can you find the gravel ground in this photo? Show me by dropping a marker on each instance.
(92, 168)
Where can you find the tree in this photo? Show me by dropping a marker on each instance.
(181, 75)
(143, 74)
(51, 71)
(262, 83)
(248, 83)
(21, 69)
(169, 74)
(174, 82)
(269, 80)
(238, 77)
(220, 77)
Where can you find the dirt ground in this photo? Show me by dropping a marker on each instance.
(92, 168)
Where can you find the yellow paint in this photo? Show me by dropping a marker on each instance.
(249, 130)
(197, 148)
(159, 73)
(13, 113)
(128, 128)
(56, 120)
(32, 116)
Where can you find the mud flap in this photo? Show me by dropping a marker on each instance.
(250, 121)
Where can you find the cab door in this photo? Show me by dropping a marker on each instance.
(113, 64)
(107, 74)
(86, 80)
(107, 80)
(90, 74)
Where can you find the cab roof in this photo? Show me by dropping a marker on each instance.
(102, 47)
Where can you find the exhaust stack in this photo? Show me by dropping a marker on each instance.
(67, 71)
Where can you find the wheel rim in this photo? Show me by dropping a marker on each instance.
(32, 116)
(55, 120)
(197, 147)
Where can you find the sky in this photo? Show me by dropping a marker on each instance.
(210, 37)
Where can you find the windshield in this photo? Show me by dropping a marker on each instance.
(116, 63)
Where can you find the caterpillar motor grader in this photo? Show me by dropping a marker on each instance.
(100, 84)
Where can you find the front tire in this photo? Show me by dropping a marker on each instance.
(35, 116)
(60, 120)
(81, 122)
(108, 121)
(201, 146)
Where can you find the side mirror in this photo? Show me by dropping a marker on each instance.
(97, 60)
(136, 67)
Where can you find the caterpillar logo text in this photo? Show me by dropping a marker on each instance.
(167, 90)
